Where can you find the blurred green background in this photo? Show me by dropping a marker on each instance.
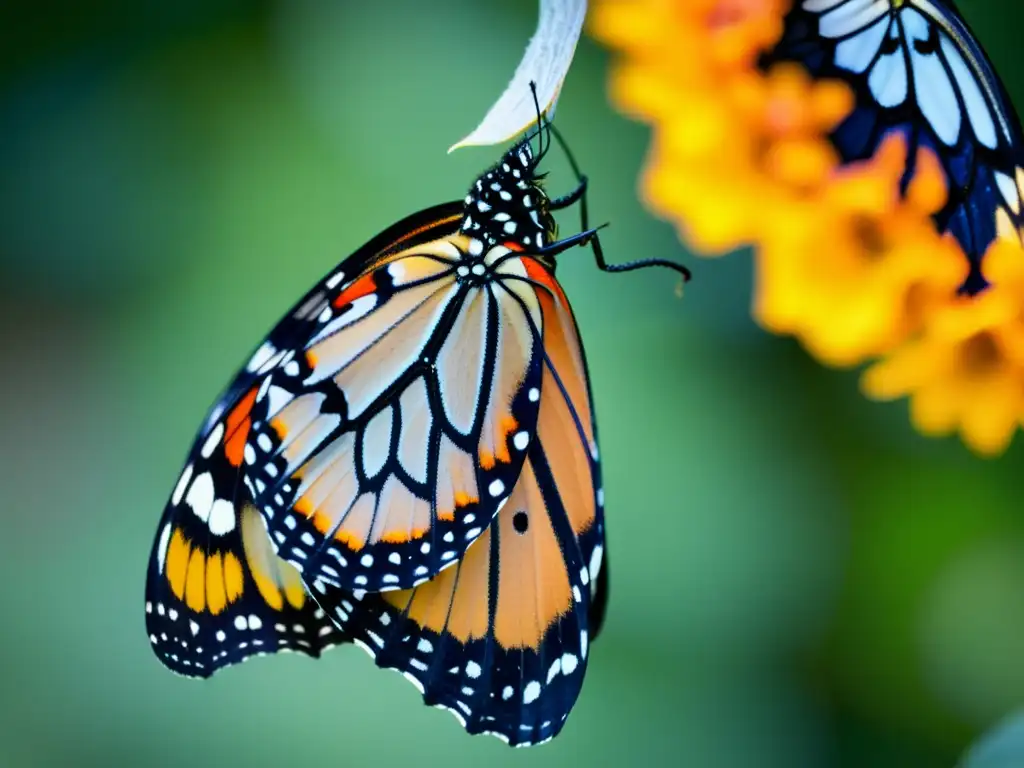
(798, 578)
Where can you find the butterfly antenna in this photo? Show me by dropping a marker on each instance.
(542, 123)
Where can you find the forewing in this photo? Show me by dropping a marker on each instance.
(215, 591)
(394, 434)
(501, 639)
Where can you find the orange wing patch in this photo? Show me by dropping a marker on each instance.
(456, 480)
(364, 286)
(539, 274)
(533, 584)
(237, 426)
(203, 581)
(216, 593)
(177, 563)
(276, 580)
(456, 599)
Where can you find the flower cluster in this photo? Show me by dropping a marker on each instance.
(856, 271)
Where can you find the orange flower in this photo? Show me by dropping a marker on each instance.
(844, 262)
(966, 370)
(852, 269)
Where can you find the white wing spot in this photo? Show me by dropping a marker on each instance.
(222, 518)
(569, 663)
(521, 440)
(473, 669)
(179, 489)
(496, 488)
(161, 550)
(595, 561)
(260, 356)
(200, 496)
(531, 692)
(212, 440)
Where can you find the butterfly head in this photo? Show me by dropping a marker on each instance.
(508, 204)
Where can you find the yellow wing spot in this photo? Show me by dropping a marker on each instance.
(1004, 225)
(177, 563)
(216, 597)
(293, 590)
(486, 459)
(195, 584)
(311, 359)
(267, 587)
(232, 576)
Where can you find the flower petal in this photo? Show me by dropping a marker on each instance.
(546, 63)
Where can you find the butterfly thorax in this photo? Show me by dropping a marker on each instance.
(507, 205)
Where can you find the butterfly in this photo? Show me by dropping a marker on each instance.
(916, 68)
(409, 462)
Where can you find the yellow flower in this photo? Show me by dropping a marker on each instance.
(852, 268)
(844, 262)
(966, 370)
(691, 76)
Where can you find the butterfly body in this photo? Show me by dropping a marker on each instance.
(917, 70)
(409, 462)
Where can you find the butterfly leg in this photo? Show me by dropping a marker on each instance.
(577, 195)
(588, 235)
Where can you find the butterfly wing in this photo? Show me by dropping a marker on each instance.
(394, 432)
(216, 593)
(916, 68)
(501, 639)
(215, 601)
